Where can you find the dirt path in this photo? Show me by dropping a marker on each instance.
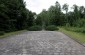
(40, 43)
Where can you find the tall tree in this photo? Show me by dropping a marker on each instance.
(55, 14)
(81, 11)
(65, 7)
(13, 15)
(84, 13)
(76, 14)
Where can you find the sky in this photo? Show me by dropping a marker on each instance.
(38, 5)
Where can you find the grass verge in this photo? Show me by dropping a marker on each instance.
(11, 33)
(80, 37)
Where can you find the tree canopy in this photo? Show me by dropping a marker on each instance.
(56, 16)
(14, 16)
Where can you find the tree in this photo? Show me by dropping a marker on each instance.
(56, 16)
(84, 14)
(76, 14)
(54, 13)
(30, 18)
(13, 15)
(81, 11)
(65, 7)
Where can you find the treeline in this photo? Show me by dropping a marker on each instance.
(14, 16)
(61, 16)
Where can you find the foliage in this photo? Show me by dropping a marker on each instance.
(1, 32)
(55, 16)
(38, 21)
(80, 37)
(75, 29)
(30, 18)
(35, 28)
(14, 16)
(67, 25)
(65, 7)
(80, 23)
(51, 28)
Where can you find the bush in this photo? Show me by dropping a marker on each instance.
(81, 23)
(35, 28)
(51, 28)
(1, 32)
(67, 25)
(83, 30)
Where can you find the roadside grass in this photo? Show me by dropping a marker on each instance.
(80, 37)
(11, 33)
(75, 29)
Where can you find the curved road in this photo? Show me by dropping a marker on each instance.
(40, 43)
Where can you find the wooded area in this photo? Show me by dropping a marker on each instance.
(15, 16)
(55, 15)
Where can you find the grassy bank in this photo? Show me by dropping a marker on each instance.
(11, 33)
(75, 35)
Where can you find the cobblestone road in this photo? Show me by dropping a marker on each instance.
(40, 43)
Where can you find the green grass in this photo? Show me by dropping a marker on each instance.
(11, 33)
(75, 35)
(75, 29)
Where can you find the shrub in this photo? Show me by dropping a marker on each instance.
(51, 28)
(67, 25)
(1, 32)
(35, 28)
(83, 30)
(81, 23)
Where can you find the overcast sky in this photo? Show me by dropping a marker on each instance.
(38, 5)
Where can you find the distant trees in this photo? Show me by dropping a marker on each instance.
(53, 16)
(14, 16)
(56, 16)
(57, 13)
(65, 7)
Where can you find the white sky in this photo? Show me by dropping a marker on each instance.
(38, 5)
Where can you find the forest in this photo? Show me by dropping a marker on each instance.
(55, 15)
(15, 16)
(72, 19)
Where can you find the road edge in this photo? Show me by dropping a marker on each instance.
(73, 39)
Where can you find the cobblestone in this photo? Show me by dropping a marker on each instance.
(40, 43)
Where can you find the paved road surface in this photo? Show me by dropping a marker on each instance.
(40, 43)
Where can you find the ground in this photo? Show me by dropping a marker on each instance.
(40, 43)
